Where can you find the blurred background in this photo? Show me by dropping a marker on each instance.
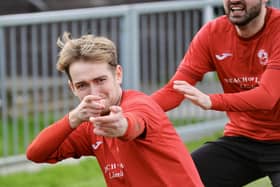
(151, 36)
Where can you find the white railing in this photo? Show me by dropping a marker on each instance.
(151, 40)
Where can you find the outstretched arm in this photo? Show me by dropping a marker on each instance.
(193, 94)
(169, 98)
(44, 147)
(64, 138)
(263, 97)
(251, 100)
(196, 63)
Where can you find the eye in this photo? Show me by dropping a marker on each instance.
(80, 86)
(100, 80)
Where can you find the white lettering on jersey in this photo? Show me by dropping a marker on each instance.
(114, 170)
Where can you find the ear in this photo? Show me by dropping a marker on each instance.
(71, 86)
(119, 74)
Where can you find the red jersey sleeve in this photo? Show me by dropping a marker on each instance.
(263, 97)
(196, 62)
(142, 112)
(136, 126)
(59, 141)
(167, 97)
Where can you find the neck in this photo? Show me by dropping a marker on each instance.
(249, 30)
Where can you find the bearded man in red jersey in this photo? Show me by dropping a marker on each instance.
(243, 48)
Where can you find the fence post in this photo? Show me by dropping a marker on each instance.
(208, 13)
(3, 93)
(129, 55)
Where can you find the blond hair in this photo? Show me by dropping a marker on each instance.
(88, 47)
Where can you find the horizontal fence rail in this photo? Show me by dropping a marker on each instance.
(151, 39)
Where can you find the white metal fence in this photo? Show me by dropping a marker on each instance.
(151, 40)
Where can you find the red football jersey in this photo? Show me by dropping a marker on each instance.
(248, 70)
(158, 159)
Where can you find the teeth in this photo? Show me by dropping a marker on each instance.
(236, 8)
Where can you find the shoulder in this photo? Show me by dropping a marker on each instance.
(136, 100)
(134, 96)
(274, 13)
(273, 20)
(215, 31)
(217, 25)
(132, 93)
(271, 31)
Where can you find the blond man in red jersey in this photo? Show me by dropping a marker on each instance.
(243, 47)
(129, 134)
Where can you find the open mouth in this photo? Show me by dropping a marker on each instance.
(237, 10)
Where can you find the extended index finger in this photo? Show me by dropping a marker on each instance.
(103, 120)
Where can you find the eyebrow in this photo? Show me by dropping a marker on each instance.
(83, 81)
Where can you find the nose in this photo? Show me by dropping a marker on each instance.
(94, 90)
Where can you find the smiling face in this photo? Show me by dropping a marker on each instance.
(91, 65)
(96, 78)
(242, 12)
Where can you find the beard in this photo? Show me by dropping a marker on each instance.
(248, 15)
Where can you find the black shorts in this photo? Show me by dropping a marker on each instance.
(236, 161)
